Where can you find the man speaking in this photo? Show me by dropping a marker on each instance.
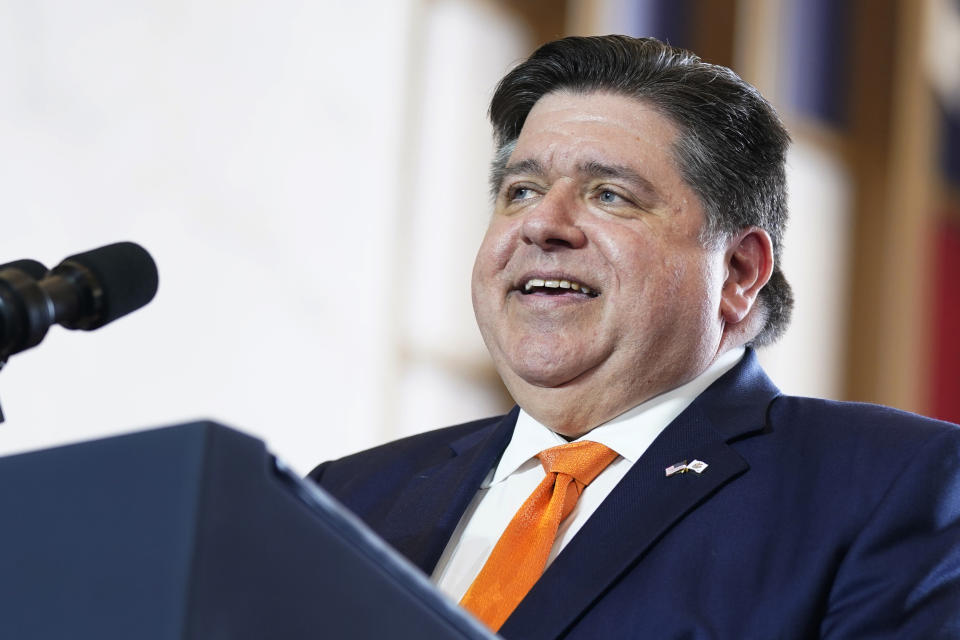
(652, 481)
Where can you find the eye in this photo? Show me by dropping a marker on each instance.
(614, 200)
(520, 192)
(609, 197)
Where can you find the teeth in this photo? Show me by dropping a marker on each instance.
(556, 284)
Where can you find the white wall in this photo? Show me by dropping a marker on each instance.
(252, 148)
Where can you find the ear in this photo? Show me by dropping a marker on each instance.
(749, 265)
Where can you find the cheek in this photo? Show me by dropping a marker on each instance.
(496, 249)
(492, 257)
(479, 285)
(669, 282)
(645, 269)
(699, 287)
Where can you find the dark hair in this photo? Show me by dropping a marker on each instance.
(731, 146)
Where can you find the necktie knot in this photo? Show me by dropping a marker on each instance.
(583, 460)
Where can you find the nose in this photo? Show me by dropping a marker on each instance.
(552, 223)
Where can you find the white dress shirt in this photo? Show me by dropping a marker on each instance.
(519, 472)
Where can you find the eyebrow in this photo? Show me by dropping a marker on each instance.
(531, 166)
(501, 170)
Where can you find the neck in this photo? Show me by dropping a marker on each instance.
(576, 408)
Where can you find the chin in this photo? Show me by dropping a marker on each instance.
(544, 379)
(544, 373)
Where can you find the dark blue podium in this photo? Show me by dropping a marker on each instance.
(196, 532)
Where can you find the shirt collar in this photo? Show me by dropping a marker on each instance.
(629, 434)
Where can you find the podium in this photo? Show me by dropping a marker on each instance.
(196, 532)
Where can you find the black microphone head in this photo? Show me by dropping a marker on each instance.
(32, 268)
(125, 275)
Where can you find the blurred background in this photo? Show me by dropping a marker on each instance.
(311, 180)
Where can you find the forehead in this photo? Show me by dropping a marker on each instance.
(565, 129)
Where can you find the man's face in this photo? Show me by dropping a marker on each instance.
(592, 280)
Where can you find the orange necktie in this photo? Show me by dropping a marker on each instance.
(520, 555)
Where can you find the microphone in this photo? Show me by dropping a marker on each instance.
(85, 291)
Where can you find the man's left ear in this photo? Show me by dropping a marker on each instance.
(749, 261)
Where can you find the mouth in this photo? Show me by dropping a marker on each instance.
(556, 286)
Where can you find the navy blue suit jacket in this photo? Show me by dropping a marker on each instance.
(813, 519)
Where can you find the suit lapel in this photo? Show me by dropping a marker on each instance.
(647, 503)
(429, 507)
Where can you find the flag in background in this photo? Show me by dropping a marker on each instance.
(943, 67)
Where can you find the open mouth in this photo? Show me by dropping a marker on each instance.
(557, 287)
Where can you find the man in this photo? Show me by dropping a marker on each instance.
(629, 267)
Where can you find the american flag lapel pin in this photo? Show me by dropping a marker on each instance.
(679, 467)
